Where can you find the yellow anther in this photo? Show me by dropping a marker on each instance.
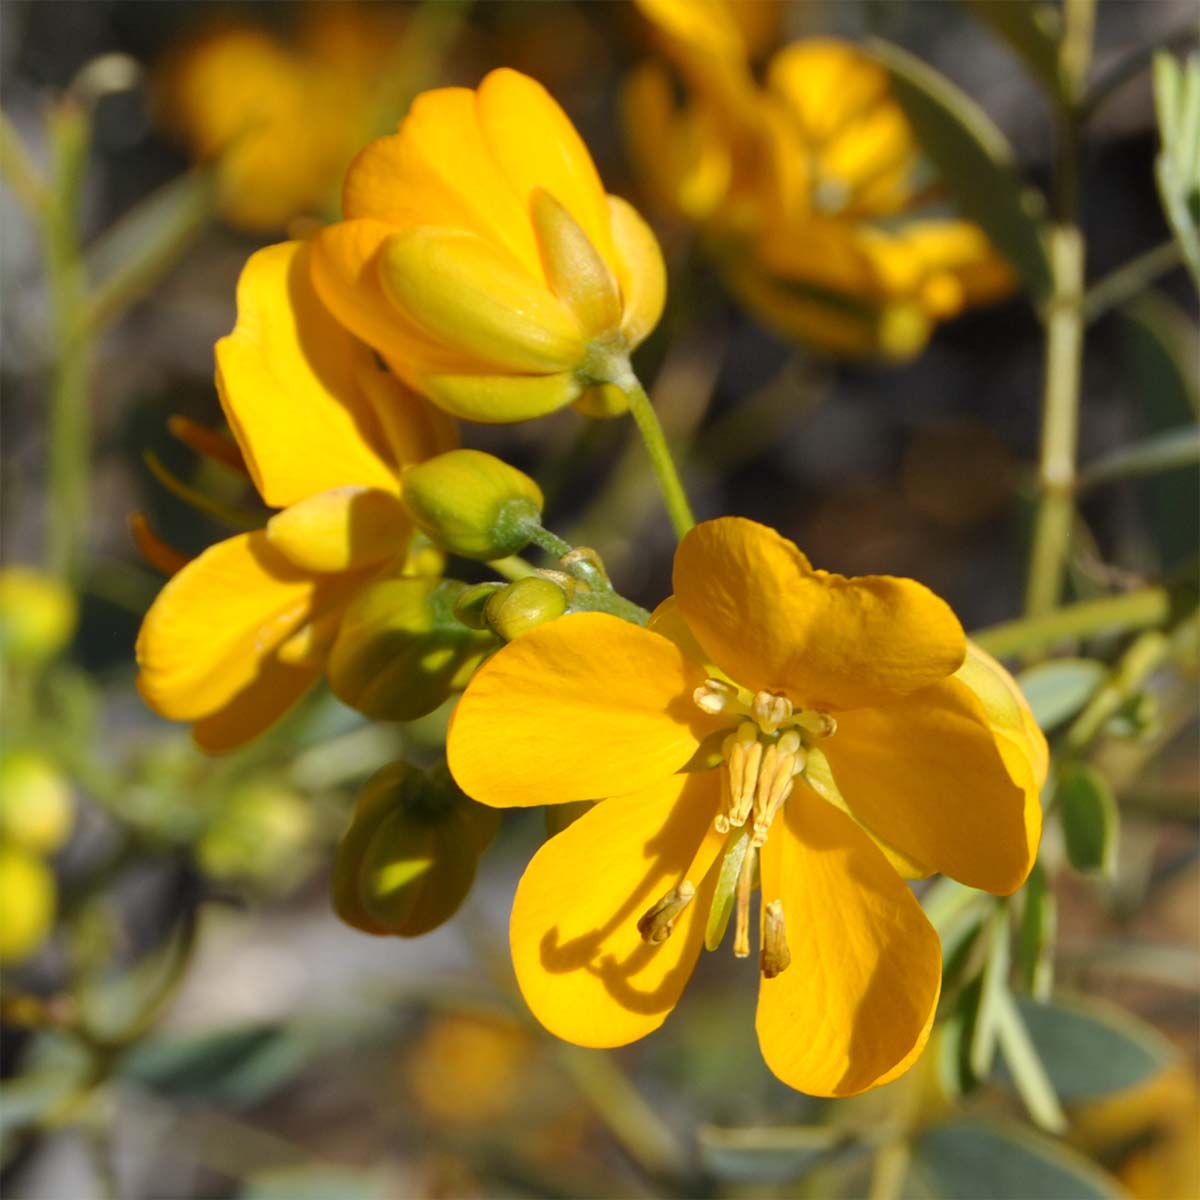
(745, 884)
(774, 957)
(781, 763)
(714, 696)
(819, 724)
(658, 922)
(743, 754)
(771, 711)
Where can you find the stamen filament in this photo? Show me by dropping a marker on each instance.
(745, 884)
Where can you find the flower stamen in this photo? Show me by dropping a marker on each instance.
(745, 886)
(781, 763)
(715, 696)
(774, 958)
(743, 754)
(771, 711)
(658, 922)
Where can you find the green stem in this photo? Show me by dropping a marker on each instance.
(20, 172)
(1060, 423)
(513, 567)
(1130, 279)
(68, 128)
(550, 542)
(610, 602)
(675, 498)
(1134, 610)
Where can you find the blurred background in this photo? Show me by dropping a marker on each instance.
(184, 1015)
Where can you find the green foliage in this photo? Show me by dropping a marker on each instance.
(1059, 688)
(1177, 100)
(1090, 818)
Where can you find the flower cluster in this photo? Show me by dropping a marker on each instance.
(808, 188)
(769, 727)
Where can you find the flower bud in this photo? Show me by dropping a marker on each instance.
(471, 602)
(37, 615)
(473, 504)
(408, 858)
(37, 807)
(27, 903)
(523, 605)
(400, 650)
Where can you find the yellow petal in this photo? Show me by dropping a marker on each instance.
(286, 376)
(439, 170)
(343, 529)
(928, 775)
(535, 145)
(276, 688)
(492, 399)
(769, 621)
(581, 964)
(413, 428)
(641, 272)
(462, 291)
(582, 707)
(854, 1008)
(215, 623)
(345, 271)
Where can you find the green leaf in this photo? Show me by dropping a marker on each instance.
(722, 901)
(312, 1183)
(1177, 169)
(1058, 689)
(1160, 452)
(1090, 1049)
(1090, 819)
(1025, 1066)
(975, 161)
(995, 982)
(1032, 30)
(238, 1067)
(767, 1155)
(971, 1160)
(1039, 922)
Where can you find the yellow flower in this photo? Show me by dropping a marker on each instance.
(282, 119)
(808, 189)
(28, 899)
(481, 257)
(241, 632)
(836, 730)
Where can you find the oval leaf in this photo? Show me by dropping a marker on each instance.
(1057, 690)
(1090, 819)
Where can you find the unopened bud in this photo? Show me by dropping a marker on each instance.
(471, 601)
(37, 615)
(524, 605)
(37, 807)
(473, 504)
(401, 651)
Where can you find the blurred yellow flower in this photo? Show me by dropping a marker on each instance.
(808, 188)
(38, 615)
(282, 118)
(241, 632)
(37, 806)
(28, 897)
(481, 257)
(817, 728)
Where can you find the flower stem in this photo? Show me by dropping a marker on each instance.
(68, 125)
(1060, 423)
(675, 498)
(1131, 278)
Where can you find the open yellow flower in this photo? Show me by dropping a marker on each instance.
(834, 732)
(481, 257)
(808, 188)
(241, 632)
(282, 119)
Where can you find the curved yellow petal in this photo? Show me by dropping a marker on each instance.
(582, 707)
(274, 691)
(929, 776)
(581, 964)
(463, 292)
(641, 272)
(217, 622)
(495, 399)
(855, 1007)
(535, 145)
(770, 621)
(287, 381)
(439, 169)
(343, 529)
(414, 429)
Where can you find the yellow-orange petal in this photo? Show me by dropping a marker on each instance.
(854, 1008)
(535, 145)
(286, 376)
(413, 428)
(641, 272)
(495, 399)
(581, 964)
(215, 623)
(584, 706)
(928, 775)
(460, 290)
(277, 687)
(343, 529)
(439, 170)
(770, 621)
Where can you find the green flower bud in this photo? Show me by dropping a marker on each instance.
(473, 504)
(408, 858)
(400, 650)
(471, 602)
(521, 606)
(37, 615)
(37, 806)
(28, 897)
